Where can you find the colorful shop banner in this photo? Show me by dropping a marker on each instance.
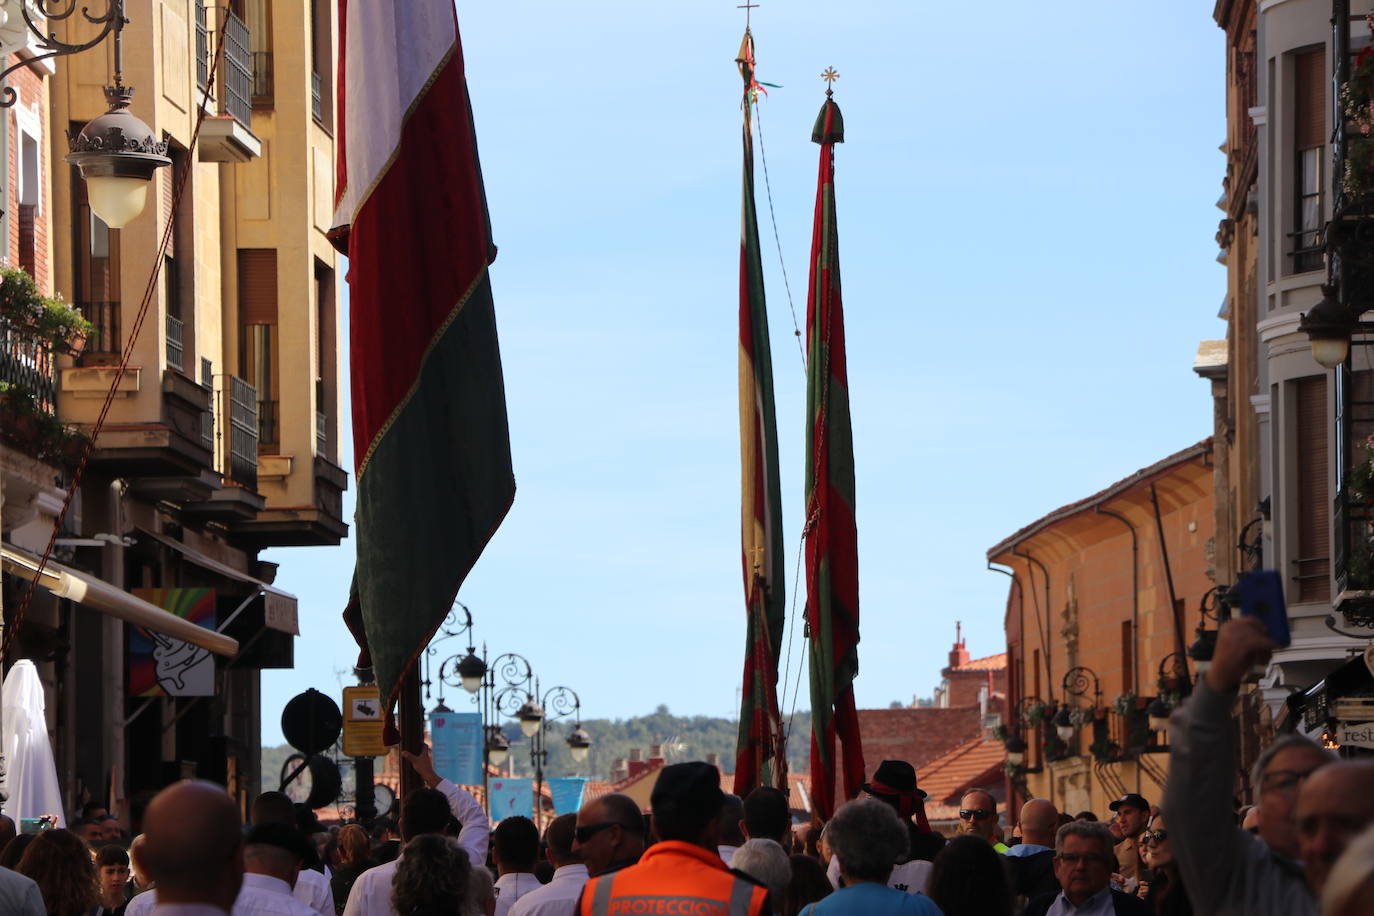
(567, 793)
(510, 797)
(161, 666)
(456, 739)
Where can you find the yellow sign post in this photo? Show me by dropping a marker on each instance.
(362, 722)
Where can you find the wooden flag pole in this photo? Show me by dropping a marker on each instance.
(410, 713)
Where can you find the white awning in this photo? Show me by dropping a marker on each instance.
(279, 607)
(99, 595)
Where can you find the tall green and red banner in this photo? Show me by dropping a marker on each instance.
(431, 442)
(832, 540)
(760, 757)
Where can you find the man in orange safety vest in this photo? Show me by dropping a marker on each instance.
(682, 874)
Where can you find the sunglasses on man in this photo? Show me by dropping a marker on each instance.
(973, 814)
(587, 831)
(1154, 836)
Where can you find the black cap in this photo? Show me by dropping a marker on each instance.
(693, 785)
(283, 836)
(1132, 799)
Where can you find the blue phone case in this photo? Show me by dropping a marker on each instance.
(1261, 597)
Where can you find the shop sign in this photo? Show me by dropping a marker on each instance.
(1356, 734)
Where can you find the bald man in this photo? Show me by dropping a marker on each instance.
(1334, 805)
(192, 850)
(1032, 862)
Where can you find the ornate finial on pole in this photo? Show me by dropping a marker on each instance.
(748, 9)
(830, 75)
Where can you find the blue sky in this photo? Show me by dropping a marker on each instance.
(1026, 222)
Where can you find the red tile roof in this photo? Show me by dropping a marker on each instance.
(996, 662)
(976, 764)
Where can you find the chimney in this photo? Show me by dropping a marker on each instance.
(655, 752)
(958, 656)
(636, 755)
(713, 760)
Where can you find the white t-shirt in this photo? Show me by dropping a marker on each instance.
(511, 886)
(557, 898)
(312, 889)
(909, 877)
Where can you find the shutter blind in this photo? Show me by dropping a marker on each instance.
(1127, 657)
(169, 182)
(1312, 568)
(257, 286)
(1309, 99)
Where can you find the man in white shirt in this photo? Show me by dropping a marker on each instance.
(515, 848)
(423, 811)
(272, 856)
(193, 850)
(559, 896)
(311, 888)
(731, 836)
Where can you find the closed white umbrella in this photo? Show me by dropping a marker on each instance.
(31, 779)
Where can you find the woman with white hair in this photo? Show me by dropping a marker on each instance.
(869, 838)
(766, 862)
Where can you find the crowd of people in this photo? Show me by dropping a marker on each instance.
(1305, 848)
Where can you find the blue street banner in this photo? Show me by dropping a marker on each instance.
(456, 739)
(567, 793)
(510, 797)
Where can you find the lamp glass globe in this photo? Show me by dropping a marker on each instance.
(472, 683)
(579, 754)
(529, 726)
(1016, 758)
(497, 755)
(117, 201)
(1330, 352)
(1065, 732)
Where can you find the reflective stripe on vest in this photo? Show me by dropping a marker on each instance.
(601, 899)
(741, 895)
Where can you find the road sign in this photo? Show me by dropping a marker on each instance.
(310, 722)
(362, 725)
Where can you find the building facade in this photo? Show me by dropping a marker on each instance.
(1293, 436)
(1106, 596)
(221, 438)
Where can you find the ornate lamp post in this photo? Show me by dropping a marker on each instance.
(560, 702)
(116, 153)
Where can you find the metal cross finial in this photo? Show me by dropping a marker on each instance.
(830, 75)
(748, 8)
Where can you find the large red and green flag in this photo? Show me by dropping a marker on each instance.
(431, 443)
(760, 757)
(832, 541)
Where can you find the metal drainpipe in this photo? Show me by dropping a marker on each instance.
(1045, 635)
(1135, 608)
(1012, 708)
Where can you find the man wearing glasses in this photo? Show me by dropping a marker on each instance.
(609, 835)
(1227, 870)
(978, 816)
(1083, 863)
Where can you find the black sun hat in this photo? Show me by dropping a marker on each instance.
(894, 778)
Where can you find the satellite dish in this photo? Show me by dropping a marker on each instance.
(311, 722)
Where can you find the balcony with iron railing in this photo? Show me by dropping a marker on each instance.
(242, 411)
(176, 350)
(238, 70)
(104, 345)
(321, 433)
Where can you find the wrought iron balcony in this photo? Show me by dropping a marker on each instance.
(267, 426)
(27, 365)
(176, 351)
(202, 47)
(238, 70)
(243, 431)
(105, 342)
(321, 434)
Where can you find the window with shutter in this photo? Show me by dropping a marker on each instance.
(1311, 568)
(258, 345)
(1309, 140)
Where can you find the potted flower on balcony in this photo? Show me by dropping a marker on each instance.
(48, 320)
